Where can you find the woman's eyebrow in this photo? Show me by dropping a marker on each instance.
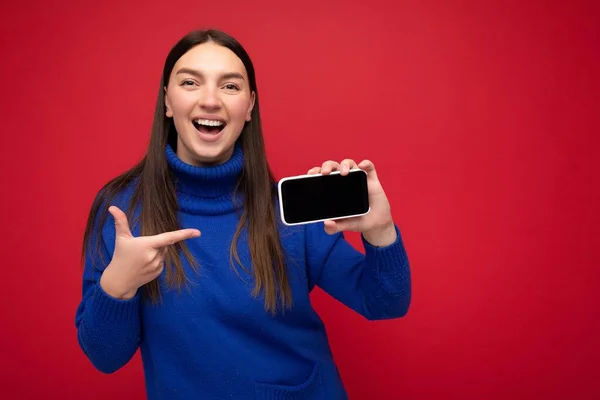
(227, 75)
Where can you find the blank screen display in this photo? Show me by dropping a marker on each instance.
(324, 197)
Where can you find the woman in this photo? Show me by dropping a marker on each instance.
(226, 314)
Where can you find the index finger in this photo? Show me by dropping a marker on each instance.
(168, 238)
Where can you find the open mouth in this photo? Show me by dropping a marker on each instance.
(208, 126)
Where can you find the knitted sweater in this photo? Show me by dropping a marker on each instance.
(214, 340)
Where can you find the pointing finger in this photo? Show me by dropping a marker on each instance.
(169, 238)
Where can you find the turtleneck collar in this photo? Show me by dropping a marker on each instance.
(206, 190)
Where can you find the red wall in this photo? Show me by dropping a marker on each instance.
(482, 119)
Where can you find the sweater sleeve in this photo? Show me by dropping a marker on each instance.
(376, 284)
(108, 329)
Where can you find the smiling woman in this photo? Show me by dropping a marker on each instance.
(228, 314)
(209, 98)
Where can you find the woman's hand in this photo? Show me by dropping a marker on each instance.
(136, 260)
(377, 226)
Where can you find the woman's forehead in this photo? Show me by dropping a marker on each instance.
(210, 58)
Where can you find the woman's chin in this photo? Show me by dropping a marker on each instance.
(211, 156)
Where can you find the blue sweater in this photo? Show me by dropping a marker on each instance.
(214, 340)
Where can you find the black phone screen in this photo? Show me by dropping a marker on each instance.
(324, 197)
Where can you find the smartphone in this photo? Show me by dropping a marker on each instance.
(305, 199)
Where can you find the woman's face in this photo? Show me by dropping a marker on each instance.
(209, 98)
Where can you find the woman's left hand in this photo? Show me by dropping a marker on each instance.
(377, 226)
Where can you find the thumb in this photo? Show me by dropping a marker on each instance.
(340, 225)
(121, 224)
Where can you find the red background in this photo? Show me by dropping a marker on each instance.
(481, 117)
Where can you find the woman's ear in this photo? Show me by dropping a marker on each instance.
(169, 112)
(252, 100)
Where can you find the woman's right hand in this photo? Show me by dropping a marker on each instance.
(136, 260)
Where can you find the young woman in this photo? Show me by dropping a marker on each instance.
(225, 314)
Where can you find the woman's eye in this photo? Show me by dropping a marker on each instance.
(231, 86)
(187, 83)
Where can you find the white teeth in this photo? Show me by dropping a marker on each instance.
(208, 122)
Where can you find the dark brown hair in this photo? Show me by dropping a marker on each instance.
(154, 192)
